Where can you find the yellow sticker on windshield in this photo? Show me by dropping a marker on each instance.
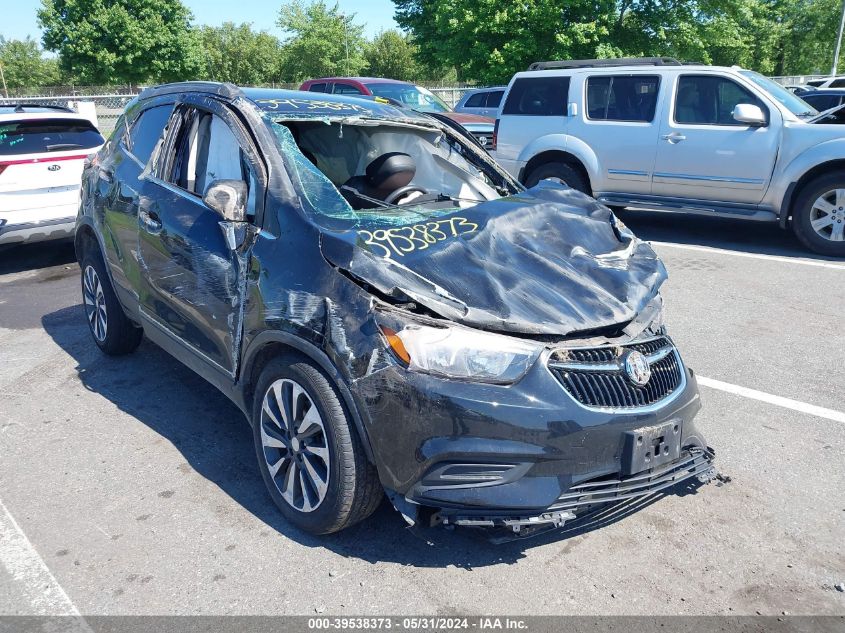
(402, 240)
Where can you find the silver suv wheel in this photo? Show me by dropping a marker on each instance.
(95, 304)
(295, 446)
(827, 215)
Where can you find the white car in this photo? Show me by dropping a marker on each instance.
(828, 82)
(42, 153)
(655, 133)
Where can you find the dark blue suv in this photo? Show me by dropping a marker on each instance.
(390, 310)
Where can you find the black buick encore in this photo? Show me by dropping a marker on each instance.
(390, 310)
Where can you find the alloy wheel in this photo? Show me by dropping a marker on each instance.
(827, 215)
(295, 445)
(95, 304)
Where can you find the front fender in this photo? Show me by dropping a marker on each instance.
(566, 144)
(786, 178)
(316, 355)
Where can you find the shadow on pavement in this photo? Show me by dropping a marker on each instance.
(20, 258)
(761, 238)
(215, 439)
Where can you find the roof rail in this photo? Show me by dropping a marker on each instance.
(212, 87)
(605, 63)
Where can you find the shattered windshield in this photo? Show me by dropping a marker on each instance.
(356, 171)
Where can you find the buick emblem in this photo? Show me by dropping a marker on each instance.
(54, 168)
(636, 366)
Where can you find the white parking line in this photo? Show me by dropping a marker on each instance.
(28, 569)
(780, 401)
(774, 258)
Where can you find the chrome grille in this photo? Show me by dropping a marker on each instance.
(595, 377)
(485, 138)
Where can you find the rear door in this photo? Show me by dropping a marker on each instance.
(41, 161)
(620, 124)
(192, 287)
(703, 153)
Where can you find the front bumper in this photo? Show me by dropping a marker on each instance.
(515, 455)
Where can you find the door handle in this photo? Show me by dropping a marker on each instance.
(674, 137)
(150, 221)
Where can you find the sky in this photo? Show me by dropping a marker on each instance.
(376, 14)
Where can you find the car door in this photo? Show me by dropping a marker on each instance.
(341, 88)
(192, 287)
(703, 153)
(620, 124)
(118, 188)
(474, 104)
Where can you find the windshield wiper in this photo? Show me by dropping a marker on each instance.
(58, 147)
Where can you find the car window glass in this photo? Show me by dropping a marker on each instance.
(475, 101)
(622, 97)
(36, 136)
(494, 98)
(821, 102)
(346, 89)
(146, 131)
(708, 100)
(837, 83)
(538, 96)
(208, 152)
(321, 87)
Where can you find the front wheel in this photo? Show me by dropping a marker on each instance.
(310, 456)
(819, 215)
(564, 173)
(112, 331)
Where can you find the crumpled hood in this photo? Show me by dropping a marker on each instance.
(549, 260)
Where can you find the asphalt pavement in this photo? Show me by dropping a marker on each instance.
(129, 486)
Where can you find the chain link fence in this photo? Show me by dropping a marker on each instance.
(108, 106)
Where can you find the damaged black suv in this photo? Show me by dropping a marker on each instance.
(390, 310)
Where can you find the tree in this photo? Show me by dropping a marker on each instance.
(237, 54)
(122, 41)
(24, 64)
(321, 41)
(391, 54)
(489, 40)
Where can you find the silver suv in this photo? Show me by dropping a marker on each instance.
(652, 132)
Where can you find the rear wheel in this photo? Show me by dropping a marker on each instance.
(819, 215)
(310, 456)
(112, 331)
(564, 173)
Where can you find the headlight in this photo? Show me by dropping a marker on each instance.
(456, 352)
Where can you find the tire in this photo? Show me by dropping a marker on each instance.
(819, 204)
(560, 172)
(110, 328)
(319, 478)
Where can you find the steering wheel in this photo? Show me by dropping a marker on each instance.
(403, 191)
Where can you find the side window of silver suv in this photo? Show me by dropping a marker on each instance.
(709, 100)
(622, 97)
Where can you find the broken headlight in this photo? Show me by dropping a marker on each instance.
(462, 353)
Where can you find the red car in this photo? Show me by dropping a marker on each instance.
(415, 97)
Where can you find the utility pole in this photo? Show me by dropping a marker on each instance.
(3, 78)
(838, 42)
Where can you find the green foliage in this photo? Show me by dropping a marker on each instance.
(237, 54)
(122, 41)
(391, 54)
(489, 40)
(322, 41)
(24, 64)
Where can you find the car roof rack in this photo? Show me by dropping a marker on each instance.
(605, 63)
(225, 90)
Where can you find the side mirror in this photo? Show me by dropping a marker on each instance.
(228, 198)
(749, 114)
